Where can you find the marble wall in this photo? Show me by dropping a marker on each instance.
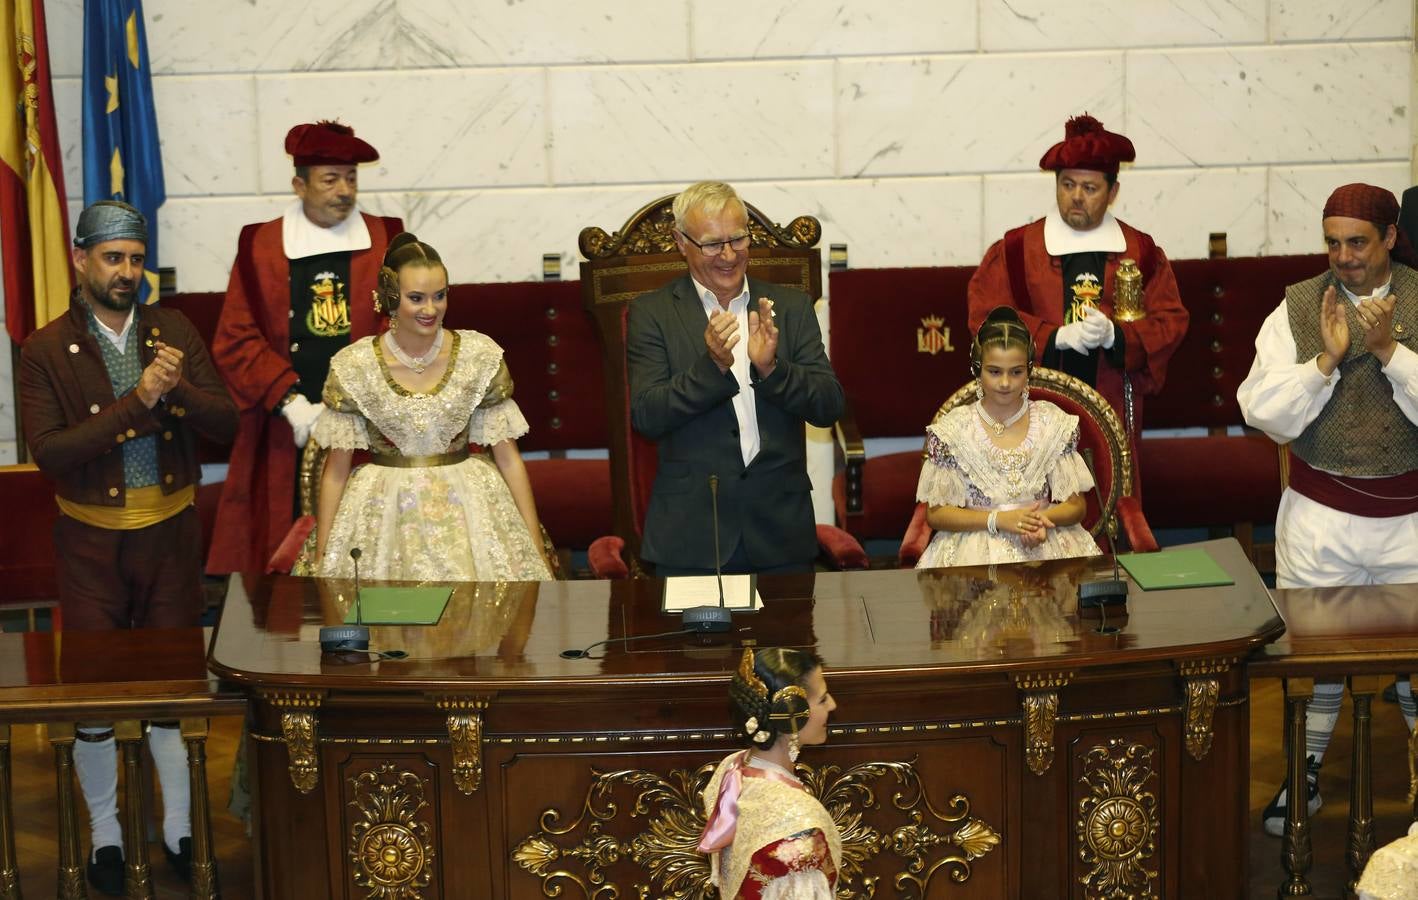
(911, 128)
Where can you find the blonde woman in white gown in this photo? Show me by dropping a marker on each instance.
(1002, 477)
(424, 508)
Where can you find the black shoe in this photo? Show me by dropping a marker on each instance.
(1273, 819)
(181, 861)
(106, 871)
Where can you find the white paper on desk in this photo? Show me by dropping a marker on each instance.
(685, 591)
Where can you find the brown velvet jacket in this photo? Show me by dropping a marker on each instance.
(76, 428)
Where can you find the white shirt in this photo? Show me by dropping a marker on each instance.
(301, 237)
(745, 407)
(1282, 397)
(1061, 238)
(118, 338)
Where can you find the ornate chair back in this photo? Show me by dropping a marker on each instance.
(1103, 442)
(640, 257)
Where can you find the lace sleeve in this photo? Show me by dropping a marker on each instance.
(341, 431)
(942, 483)
(1070, 474)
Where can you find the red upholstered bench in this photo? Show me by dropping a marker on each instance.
(900, 345)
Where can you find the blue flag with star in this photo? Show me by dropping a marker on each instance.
(122, 156)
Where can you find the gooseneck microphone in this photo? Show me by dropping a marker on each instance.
(342, 638)
(711, 618)
(1103, 593)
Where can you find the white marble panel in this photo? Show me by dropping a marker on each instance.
(956, 114)
(1181, 208)
(1296, 104)
(468, 128)
(684, 123)
(271, 35)
(498, 32)
(1298, 194)
(1014, 200)
(1087, 24)
(199, 235)
(68, 114)
(1311, 20)
(64, 25)
(885, 222)
(208, 130)
(789, 28)
(8, 413)
(9, 454)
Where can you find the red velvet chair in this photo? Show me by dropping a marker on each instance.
(1102, 440)
(640, 257)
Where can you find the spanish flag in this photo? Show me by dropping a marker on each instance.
(34, 224)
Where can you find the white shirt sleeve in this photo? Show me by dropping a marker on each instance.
(1280, 396)
(1402, 372)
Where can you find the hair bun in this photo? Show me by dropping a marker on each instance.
(401, 239)
(1004, 313)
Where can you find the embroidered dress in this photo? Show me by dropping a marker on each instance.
(424, 517)
(963, 467)
(767, 837)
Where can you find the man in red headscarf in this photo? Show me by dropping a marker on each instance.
(1059, 272)
(300, 290)
(1336, 378)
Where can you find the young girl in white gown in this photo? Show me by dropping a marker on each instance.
(1002, 477)
(424, 508)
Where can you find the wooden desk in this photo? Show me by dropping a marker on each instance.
(1359, 634)
(987, 743)
(122, 677)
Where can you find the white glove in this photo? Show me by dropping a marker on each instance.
(1074, 336)
(1100, 327)
(302, 416)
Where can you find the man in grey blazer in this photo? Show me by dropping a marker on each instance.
(724, 370)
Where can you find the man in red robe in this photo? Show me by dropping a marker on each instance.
(300, 290)
(1059, 273)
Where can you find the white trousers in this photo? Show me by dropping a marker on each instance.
(1318, 546)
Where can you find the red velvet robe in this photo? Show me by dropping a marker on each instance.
(1149, 342)
(251, 350)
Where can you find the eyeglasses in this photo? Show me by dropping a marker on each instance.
(714, 248)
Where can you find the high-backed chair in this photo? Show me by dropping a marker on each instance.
(640, 257)
(1102, 440)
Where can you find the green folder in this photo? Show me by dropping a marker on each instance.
(401, 605)
(1167, 569)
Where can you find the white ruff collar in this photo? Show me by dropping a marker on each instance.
(302, 237)
(1061, 239)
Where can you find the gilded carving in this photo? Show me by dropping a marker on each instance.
(652, 229)
(465, 735)
(390, 849)
(1041, 709)
(299, 733)
(665, 850)
(1117, 821)
(1201, 709)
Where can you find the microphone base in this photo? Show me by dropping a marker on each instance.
(341, 638)
(1095, 595)
(707, 619)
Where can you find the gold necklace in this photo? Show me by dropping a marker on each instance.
(999, 427)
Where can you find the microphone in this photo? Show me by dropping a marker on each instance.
(343, 638)
(707, 619)
(1100, 594)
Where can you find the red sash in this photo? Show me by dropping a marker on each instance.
(1375, 498)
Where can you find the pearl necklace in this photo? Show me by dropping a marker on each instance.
(415, 364)
(999, 427)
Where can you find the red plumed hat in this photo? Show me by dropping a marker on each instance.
(1088, 145)
(328, 144)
